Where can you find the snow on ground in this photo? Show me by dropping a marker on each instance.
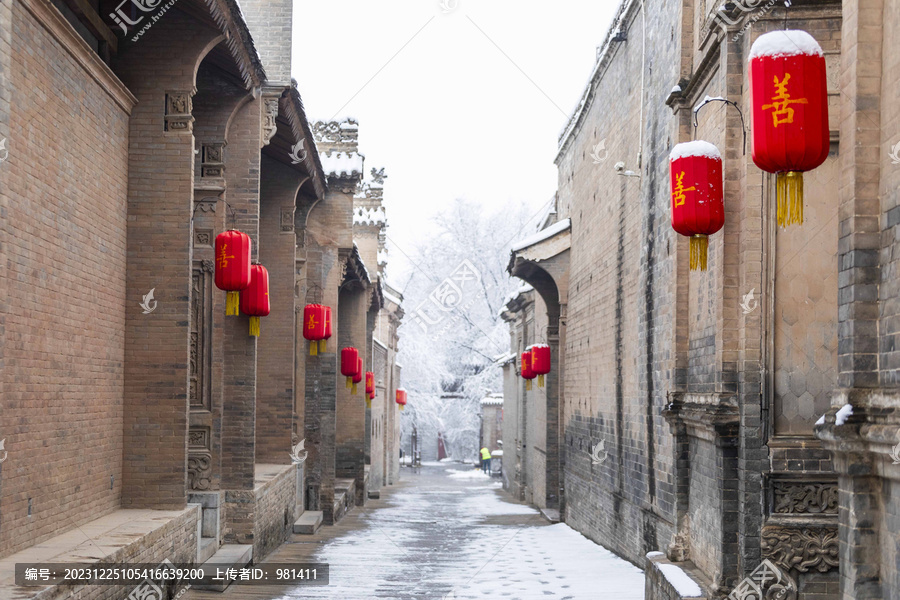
(442, 538)
(554, 561)
(468, 474)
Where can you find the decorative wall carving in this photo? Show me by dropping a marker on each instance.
(207, 205)
(805, 497)
(203, 237)
(802, 548)
(212, 160)
(269, 124)
(198, 438)
(200, 335)
(287, 219)
(178, 111)
(199, 469)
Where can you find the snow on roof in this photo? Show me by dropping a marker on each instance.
(362, 263)
(502, 359)
(495, 399)
(342, 164)
(369, 216)
(542, 235)
(539, 346)
(683, 584)
(841, 417)
(789, 42)
(392, 298)
(695, 148)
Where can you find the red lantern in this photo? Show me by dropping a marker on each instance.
(349, 362)
(255, 299)
(527, 372)
(232, 266)
(370, 388)
(314, 318)
(323, 343)
(789, 93)
(540, 361)
(401, 397)
(357, 377)
(698, 210)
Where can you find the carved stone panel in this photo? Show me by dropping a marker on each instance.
(203, 237)
(212, 161)
(199, 469)
(287, 219)
(201, 335)
(805, 498)
(178, 111)
(269, 126)
(804, 548)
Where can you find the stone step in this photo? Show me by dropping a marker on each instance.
(309, 522)
(551, 514)
(208, 547)
(228, 556)
(374, 494)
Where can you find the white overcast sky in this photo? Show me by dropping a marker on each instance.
(467, 103)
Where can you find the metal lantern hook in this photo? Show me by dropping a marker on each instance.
(707, 100)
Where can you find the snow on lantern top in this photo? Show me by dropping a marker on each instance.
(695, 148)
(789, 42)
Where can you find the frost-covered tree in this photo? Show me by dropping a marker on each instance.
(452, 331)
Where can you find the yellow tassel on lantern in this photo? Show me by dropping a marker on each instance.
(401, 407)
(789, 197)
(368, 402)
(349, 382)
(232, 303)
(699, 250)
(353, 388)
(254, 326)
(323, 346)
(528, 384)
(313, 347)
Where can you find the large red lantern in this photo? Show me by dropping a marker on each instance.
(540, 361)
(789, 93)
(314, 320)
(323, 343)
(232, 267)
(698, 209)
(370, 388)
(358, 376)
(527, 372)
(255, 299)
(349, 362)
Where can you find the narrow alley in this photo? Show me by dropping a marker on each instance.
(448, 532)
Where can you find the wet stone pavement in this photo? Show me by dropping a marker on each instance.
(448, 532)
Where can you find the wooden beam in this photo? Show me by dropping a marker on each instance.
(92, 20)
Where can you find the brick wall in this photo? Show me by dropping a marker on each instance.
(275, 368)
(160, 189)
(62, 311)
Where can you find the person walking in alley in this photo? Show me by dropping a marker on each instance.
(486, 460)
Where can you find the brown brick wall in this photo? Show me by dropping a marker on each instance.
(275, 390)
(160, 189)
(63, 281)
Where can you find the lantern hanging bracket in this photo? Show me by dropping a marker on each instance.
(707, 100)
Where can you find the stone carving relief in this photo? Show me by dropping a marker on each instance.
(178, 111)
(203, 237)
(804, 497)
(802, 548)
(287, 219)
(199, 469)
(212, 163)
(200, 358)
(269, 124)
